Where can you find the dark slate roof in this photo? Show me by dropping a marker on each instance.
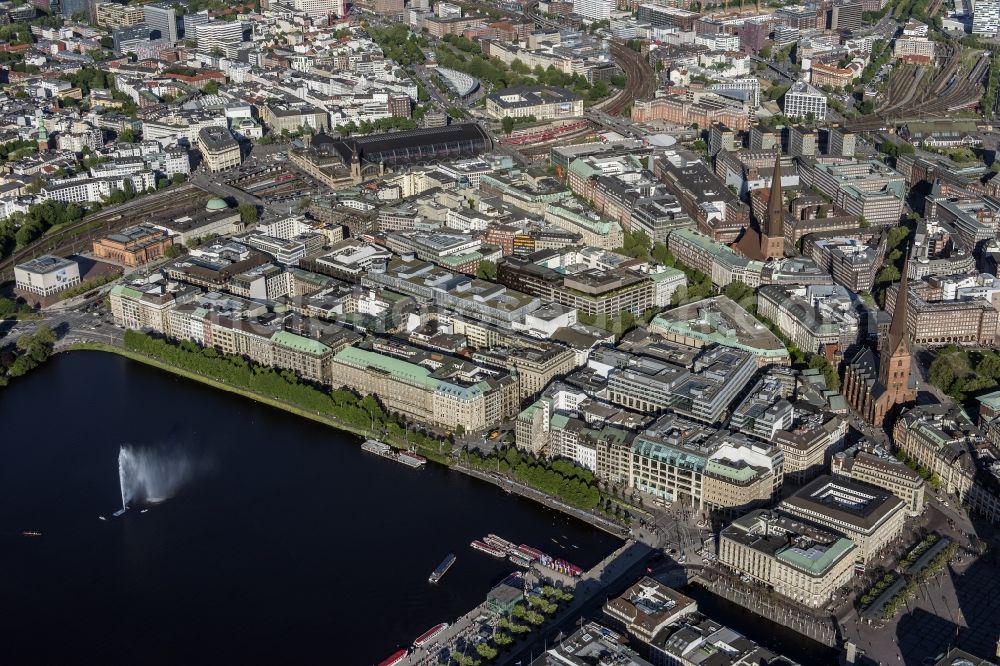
(377, 143)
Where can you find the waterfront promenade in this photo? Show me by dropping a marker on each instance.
(510, 485)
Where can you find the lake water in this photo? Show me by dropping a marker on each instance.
(282, 541)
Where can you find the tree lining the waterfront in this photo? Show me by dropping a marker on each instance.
(358, 413)
(566, 480)
(280, 385)
(30, 351)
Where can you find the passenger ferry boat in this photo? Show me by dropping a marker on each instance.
(520, 561)
(394, 658)
(429, 635)
(442, 568)
(498, 542)
(385, 451)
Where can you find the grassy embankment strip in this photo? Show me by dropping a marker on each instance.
(252, 395)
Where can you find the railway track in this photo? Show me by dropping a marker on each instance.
(640, 77)
(543, 149)
(959, 92)
(902, 88)
(950, 90)
(947, 71)
(78, 236)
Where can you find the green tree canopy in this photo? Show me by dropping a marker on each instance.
(487, 270)
(248, 213)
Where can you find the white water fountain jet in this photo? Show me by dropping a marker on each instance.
(122, 463)
(150, 475)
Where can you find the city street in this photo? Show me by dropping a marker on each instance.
(425, 76)
(71, 327)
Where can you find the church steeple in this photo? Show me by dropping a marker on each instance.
(41, 134)
(355, 164)
(775, 202)
(897, 328)
(894, 366)
(772, 232)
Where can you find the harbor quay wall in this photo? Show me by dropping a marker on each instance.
(510, 485)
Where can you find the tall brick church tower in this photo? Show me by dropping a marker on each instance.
(894, 364)
(875, 384)
(772, 236)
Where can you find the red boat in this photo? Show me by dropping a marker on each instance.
(394, 658)
(534, 553)
(429, 635)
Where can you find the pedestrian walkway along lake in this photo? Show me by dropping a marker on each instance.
(280, 541)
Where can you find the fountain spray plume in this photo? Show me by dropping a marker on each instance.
(151, 475)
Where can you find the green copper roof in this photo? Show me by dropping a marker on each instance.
(124, 290)
(815, 560)
(300, 343)
(718, 250)
(666, 273)
(559, 421)
(991, 400)
(310, 277)
(401, 370)
(462, 392)
(668, 326)
(667, 454)
(601, 227)
(455, 260)
(719, 468)
(528, 412)
(581, 167)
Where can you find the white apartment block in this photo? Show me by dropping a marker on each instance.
(95, 189)
(986, 17)
(913, 46)
(285, 252)
(219, 34)
(319, 8)
(802, 99)
(76, 142)
(595, 10)
(750, 86)
(286, 228)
